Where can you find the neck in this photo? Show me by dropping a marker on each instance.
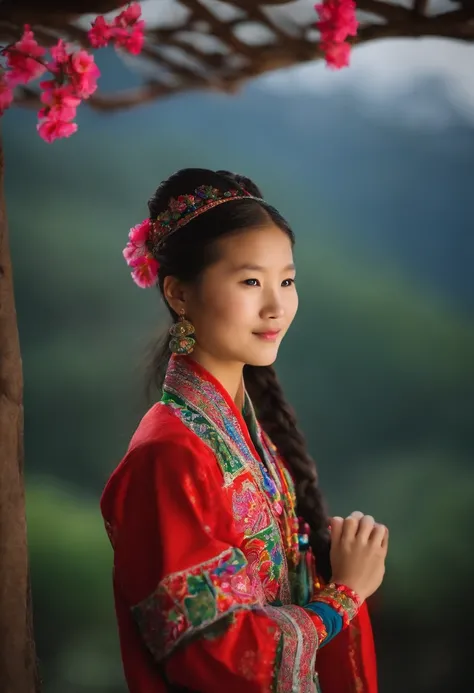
(228, 373)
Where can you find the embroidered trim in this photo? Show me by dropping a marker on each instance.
(204, 410)
(320, 627)
(298, 655)
(344, 600)
(188, 601)
(264, 549)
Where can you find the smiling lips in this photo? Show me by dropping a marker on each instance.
(270, 336)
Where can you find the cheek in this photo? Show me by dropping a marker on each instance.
(219, 311)
(228, 302)
(291, 306)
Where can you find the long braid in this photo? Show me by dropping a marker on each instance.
(278, 420)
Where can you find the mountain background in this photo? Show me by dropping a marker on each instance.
(376, 182)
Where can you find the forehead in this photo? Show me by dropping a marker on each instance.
(262, 245)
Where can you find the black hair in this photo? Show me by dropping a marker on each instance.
(185, 254)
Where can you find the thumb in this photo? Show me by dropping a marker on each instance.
(336, 529)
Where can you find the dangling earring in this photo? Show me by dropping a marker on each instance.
(181, 342)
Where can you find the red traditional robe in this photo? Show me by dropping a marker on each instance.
(203, 541)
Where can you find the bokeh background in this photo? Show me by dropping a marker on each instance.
(374, 168)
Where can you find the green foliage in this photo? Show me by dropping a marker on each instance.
(71, 563)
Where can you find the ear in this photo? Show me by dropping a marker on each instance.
(173, 292)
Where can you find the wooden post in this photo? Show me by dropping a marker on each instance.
(18, 668)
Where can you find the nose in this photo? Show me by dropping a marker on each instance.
(273, 308)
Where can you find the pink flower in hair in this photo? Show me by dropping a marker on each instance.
(137, 238)
(137, 255)
(145, 272)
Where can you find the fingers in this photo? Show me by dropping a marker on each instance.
(336, 529)
(366, 527)
(379, 536)
(361, 526)
(351, 525)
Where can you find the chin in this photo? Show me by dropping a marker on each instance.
(262, 359)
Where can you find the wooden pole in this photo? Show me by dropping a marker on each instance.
(18, 668)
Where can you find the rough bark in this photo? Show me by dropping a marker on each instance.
(18, 668)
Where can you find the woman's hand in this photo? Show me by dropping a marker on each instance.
(358, 549)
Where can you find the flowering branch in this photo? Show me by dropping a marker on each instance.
(337, 21)
(74, 72)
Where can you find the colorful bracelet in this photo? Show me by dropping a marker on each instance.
(319, 624)
(341, 598)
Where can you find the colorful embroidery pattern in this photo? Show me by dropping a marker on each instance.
(342, 599)
(231, 465)
(203, 409)
(300, 643)
(251, 516)
(193, 599)
(262, 545)
(206, 399)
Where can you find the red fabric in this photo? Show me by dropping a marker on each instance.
(347, 664)
(166, 510)
(163, 513)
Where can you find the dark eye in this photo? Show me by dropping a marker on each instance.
(287, 282)
(252, 282)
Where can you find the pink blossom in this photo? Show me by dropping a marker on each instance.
(132, 13)
(145, 272)
(6, 94)
(337, 54)
(337, 20)
(59, 54)
(128, 32)
(129, 16)
(61, 103)
(100, 33)
(23, 59)
(49, 84)
(51, 129)
(84, 73)
(137, 237)
(131, 41)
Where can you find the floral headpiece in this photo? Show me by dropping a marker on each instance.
(146, 237)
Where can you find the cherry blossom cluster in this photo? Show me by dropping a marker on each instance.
(337, 21)
(73, 71)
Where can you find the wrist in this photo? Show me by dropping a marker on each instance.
(348, 584)
(342, 599)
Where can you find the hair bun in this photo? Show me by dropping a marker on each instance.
(242, 182)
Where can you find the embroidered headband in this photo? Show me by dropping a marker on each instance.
(146, 237)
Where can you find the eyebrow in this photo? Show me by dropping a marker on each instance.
(259, 268)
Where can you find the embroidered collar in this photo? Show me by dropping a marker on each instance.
(203, 392)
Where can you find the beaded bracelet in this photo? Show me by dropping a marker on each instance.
(344, 600)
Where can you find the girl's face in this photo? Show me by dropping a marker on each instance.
(246, 300)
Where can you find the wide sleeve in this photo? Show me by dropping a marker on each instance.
(190, 592)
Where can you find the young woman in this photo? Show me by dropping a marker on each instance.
(224, 575)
